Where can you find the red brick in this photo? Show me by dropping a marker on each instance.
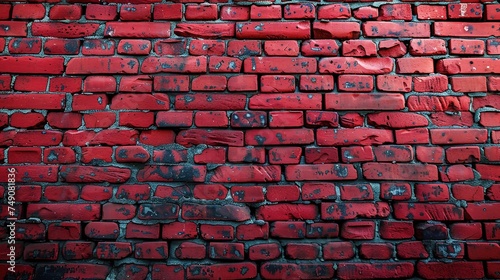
(101, 12)
(140, 83)
(395, 191)
(414, 65)
(276, 65)
(25, 46)
(28, 11)
(364, 101)
(342, 65)
(64, 231)
(23, 64)
(411, 250)
(393, 153)
(432, 192)
(468, 84)
(151, 250)
(223, 64)
(265, 12)
(356, 192)
(160, 271)
(343, 250)
(273, 30)
(205, 30)
(246, 174)
(466, 231)
(242, 83)
(360, 136)
(438, 103)
(207, 47)
(30, 83)
(392, 48)
(458, 136)
(353, 210)
(24, 155)
(61, 211)
(77, 250)
(210, 192)
(278, 193)
(243, 47)
(494, 83)
(61, 46)
(279, 136)
(41, 252)
(366, 12)
(113, 250)
(419, 47)
(334, 11)
(134, 47)
(388, 171)
(336, 30)
(247, 194)
(464, 154)
(436, 12)
(191, 64)
(179, 230)
(376, 251)
(492, 12)
(440, 270)
(228, 212)
(321, 155)
(453, 66)
(358, 230)
(285, 155)
(412, 136)
(286, 119)
(170, 46)
(266, 251)
(359, 48)
(99, 84)
(395, 12)
(135, 12)
(322, 172)
(299, 11)
(190, 250)
(63, 30)
(426, 212)
(137, 30)
(5, 11)
(465, 11)
(95, 154)
(319, 47)
(471, 47)
(283, 48)
(302, 251)
(97, 65)
(167, 11)
(291, 101)
(396, 230)
(59, 155)
(221, 270)
(62, 12)
(102, 230)
(98, 47)
(228, 12)
(357, 154)
(322, 230)
(355, 83)
(396, 29)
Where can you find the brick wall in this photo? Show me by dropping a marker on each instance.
(240, 140)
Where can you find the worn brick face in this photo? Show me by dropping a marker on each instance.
(231, 139)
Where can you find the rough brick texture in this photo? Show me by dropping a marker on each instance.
(231, 139)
